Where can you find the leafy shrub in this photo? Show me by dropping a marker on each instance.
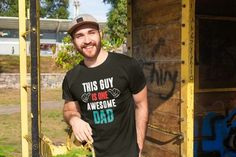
(67, 56)
(77, 153)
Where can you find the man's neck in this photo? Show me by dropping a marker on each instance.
(94, 62)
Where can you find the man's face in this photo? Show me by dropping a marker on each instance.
(87, 41)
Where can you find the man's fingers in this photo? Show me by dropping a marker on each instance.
(89, 137)
(78, 138)
(82, 137)
(83, 131)
(85, 136)
(89, 129)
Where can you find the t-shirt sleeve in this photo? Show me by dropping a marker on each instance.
(66, 94)
(137, 79)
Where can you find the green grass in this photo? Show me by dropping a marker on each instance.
(76, 153)
(52, 126)
(10, 134)
(5, 151)
(11, 64)
(7, 98)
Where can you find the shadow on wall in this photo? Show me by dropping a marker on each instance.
(1, 69)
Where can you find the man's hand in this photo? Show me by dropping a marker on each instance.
(81, 129)
(72, 116)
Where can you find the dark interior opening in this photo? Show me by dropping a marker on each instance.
(216, 7)
(216, 43)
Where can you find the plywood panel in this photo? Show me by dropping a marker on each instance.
(151, 12)
(170, 106)
(163, 81)
(167, 122)
(166, 141)
(152, 150)
(157, 42)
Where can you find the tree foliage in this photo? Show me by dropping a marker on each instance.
(54, 8)
(67, 57)
(117, 22)
(112, 2)
(48, 8)
(8, 8)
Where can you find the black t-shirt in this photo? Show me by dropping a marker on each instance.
(104, 94)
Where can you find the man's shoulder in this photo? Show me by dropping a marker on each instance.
(74, 70)
(120, 57)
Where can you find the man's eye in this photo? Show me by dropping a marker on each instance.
(78, 36)
(92, 32)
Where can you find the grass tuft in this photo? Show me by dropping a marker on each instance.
(5, 151)
(77, 153)
(7, 98)
(11, 64)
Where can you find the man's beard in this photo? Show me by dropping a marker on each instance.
(97, 47)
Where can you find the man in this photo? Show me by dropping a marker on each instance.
(105, 95)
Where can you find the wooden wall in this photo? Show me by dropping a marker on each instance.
(156, 43)
(156, 30)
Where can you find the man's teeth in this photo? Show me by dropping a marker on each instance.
(87, 47)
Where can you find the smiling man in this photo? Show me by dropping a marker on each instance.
(105, 95)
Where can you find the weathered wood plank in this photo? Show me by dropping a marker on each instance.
(155, 12)
(157, 42)
(164, 140)
(170, 106)
(167, 122)
(152, 150)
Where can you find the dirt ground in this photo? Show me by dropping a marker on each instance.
(10, 109)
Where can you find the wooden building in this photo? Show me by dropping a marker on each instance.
(188, 51)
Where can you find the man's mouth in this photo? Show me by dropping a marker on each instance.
(88, 47)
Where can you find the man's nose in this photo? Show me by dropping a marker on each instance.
(87, 39)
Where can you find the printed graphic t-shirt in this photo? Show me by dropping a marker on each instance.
(104, 94)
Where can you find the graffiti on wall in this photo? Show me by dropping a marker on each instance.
(161, 80)
(165, 81)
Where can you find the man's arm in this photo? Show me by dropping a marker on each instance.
(141, 116)
(72, 116)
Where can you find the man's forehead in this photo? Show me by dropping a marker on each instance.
(86, 27)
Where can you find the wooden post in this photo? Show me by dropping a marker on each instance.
(35, 76)
(23, 79)
(129, 24)
(187, 77)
